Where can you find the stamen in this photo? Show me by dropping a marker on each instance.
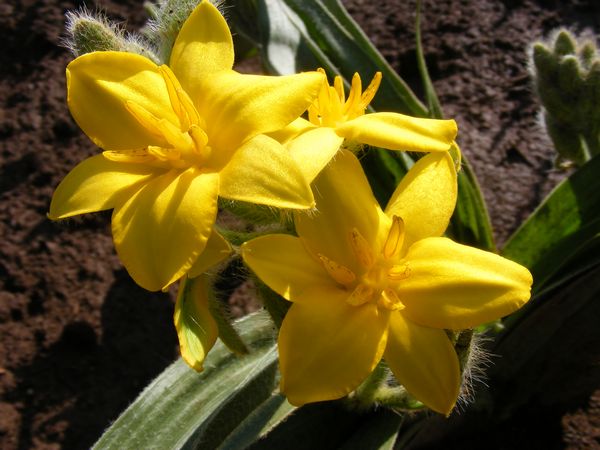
(181, 102)
(390, 300)
(370, 92)
(144, 118)
(353, 96)
(200, 139)
(395, 238)
(338, 84)
(360, 295)
(174, 136)
(361, 248)
(164, 154)
(140, 156)
(339, 273)
(399, 272)
(172, 84)
(314, 115)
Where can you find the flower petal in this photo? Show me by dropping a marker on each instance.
(98, 86)
(217, 250)
(314, 149)
(203, 46)
(196, 329)
(327, 347)
(237, 107)
(281, 262)
(456, 287)
(399, 132)
(292, 130)
(424, 362)
(262, 171)
(426, 197)
(160, 231)
(344, 202)
(97, 184)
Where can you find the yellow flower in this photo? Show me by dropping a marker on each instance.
(334, 118)
(175, 138)
(367, 284)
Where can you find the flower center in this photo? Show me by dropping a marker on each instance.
(182, 145)
(331, 108)
(380, 273)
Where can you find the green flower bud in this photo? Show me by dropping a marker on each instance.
(166, 19)
(567, 80)
(564, 43)
(89, 33)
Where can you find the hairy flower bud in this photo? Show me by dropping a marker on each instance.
(567, 79)
(87, 33)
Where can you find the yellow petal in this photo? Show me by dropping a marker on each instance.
(262, 171)
(455, 286)
(292, 130)
(344, 203)
(399, 132)
(237, 107)
(314, 149)
(203, 46)
(327, 347)
(98, 86)
(217, 250)
(97, 184)
(196, 329)
(424, 362)
(283, 264)
(160, 231)
(425, 198)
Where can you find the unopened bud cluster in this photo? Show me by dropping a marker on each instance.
(567, 79)
(88, 32)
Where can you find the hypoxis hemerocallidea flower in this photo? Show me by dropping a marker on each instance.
(367, 284)
(334, 118)
(175, 138)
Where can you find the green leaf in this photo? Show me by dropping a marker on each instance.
(182, 408)
(470, 222)
(563, 226)
(433, 103)
(259, 423)
(377, 432)
(326, 30)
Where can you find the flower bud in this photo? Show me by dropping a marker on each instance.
(567, 79)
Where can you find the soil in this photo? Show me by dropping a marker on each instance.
(79, 339)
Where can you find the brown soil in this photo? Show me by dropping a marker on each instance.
(79, 339)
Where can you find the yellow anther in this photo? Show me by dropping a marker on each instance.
(174, 136)
(129, 156)
(395, 238)
(164, 154)
(180, 102)
(370, 92)
(360, 295)
(339, 273)
(399, 272)
(390, 300)
(354, 95)
(361, 249)
(144, 118)
(338, 84)
(200, 139)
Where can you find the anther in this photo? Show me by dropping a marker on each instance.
(399, 272)
(395, 238)
(339, 273)
(390, 300)
(361, 248)
(360, 295)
